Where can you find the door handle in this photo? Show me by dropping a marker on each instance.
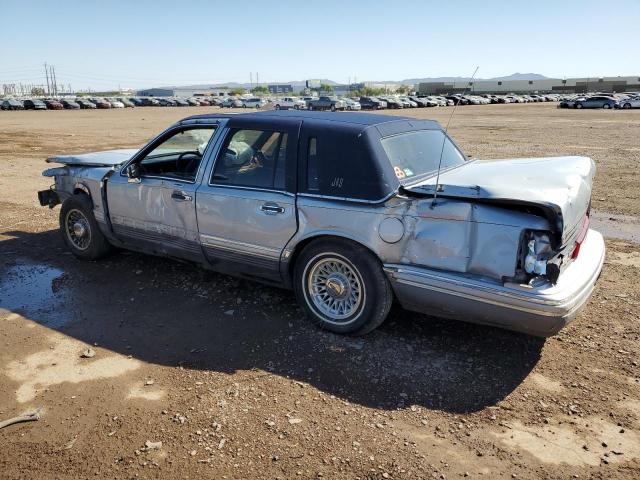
(271, 208)
(178, 195)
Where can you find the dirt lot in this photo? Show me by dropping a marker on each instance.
(235, 383)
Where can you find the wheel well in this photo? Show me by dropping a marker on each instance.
(79, 188)
(303, 244)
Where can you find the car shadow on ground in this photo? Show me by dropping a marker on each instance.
(170, 313)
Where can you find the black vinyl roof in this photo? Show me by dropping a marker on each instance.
(352, 118)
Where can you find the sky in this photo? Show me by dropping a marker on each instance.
(146, 43)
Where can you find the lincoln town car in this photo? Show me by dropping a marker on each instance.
(352, 211)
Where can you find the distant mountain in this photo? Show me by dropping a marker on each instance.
(231, 85)
(407, 81)
(514, 76)
(521, 76)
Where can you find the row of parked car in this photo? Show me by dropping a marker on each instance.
(333, 103)
(602, 100)
(100, 103)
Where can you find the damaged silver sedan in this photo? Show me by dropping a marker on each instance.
(351, 211)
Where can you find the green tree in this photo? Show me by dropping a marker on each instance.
(260, 89)
(326, 87)
(404, 89)
(38, 91)
(237, 91)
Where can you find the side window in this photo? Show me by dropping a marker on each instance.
(252, 158)
(178, 156)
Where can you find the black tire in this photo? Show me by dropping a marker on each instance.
(80, 208)
(373, 288)
(311, 107)
(606, 106)
(626, 106)
(333, 108)
(277, 107)
(578, 105)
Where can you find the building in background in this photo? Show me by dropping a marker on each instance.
(280, 88)
(184, 92)
(546, 85)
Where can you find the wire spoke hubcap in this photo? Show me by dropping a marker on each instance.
(78, 229)
(335, 288)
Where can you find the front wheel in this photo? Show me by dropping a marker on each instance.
(80, 230)
(342, 287)
(578, 105)
(626, 106)
(606, 106)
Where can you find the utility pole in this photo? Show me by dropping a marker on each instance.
(251, 79)
(55, 82)
(257, 79)
(46, 73)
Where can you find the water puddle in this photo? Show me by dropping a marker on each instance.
(36, 292)
(620, 227)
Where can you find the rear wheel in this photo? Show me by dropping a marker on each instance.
(277, 107)
(342, 287)
(578, 105)
(80, 230)
(626, 105)
(606, 106)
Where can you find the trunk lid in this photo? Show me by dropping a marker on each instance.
(560, 186)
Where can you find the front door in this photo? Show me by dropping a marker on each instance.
(246, 206)
(155, 210)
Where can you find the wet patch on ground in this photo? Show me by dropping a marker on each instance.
(619, 227)
(36, 291)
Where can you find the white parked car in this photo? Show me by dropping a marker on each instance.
(352, 104)
(407, 102)
(286, 103)
(115, 103)
(629, 102)
(253, 102)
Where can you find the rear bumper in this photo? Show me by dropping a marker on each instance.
(541, 310)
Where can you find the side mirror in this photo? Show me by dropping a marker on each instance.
(133, 173)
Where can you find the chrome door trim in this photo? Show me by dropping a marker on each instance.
(239, 247)
(253, 189)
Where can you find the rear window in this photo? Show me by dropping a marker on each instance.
(417, 154)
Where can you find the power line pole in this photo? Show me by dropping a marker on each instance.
(55, 82)
(46, 73)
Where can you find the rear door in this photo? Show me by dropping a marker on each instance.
(246, 204)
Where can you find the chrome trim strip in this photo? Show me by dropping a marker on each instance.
(153, 228)
(477, 298)
(347, 199)
(239, 247)
(254, 189)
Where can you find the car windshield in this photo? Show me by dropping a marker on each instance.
(417, 154)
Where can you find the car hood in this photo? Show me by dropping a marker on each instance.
(107, 158)
(560, 186)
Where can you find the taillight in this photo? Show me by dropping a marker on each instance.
(581, 237)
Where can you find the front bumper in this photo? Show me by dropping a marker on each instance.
(542, 309)
(48, 198)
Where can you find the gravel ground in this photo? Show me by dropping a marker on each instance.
(234, 382)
